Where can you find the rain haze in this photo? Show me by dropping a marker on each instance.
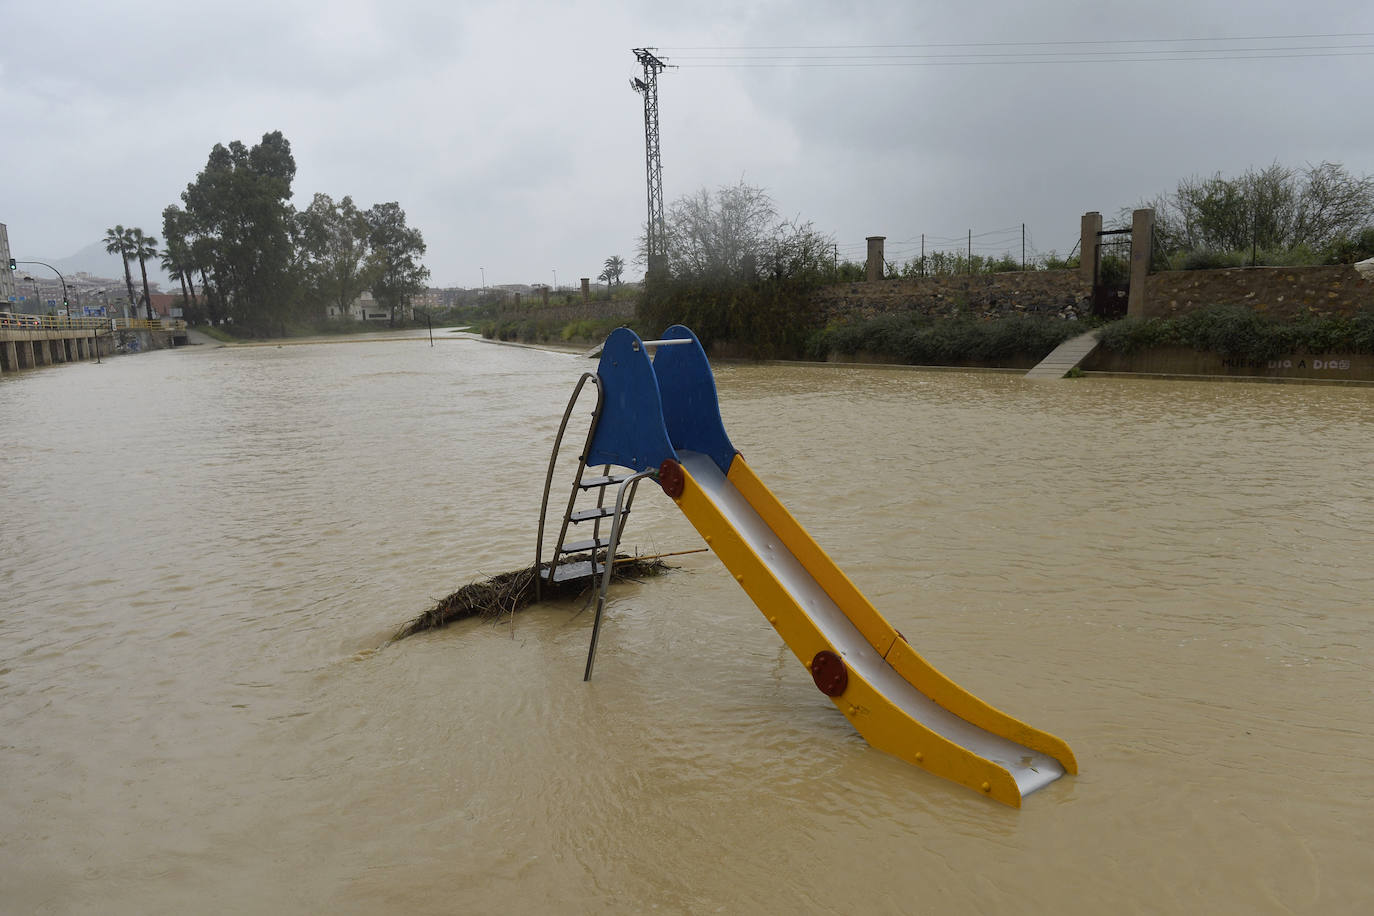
(511, 136)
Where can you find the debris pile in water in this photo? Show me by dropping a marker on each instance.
(493, 596)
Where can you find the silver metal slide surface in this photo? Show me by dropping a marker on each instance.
(1030, 769)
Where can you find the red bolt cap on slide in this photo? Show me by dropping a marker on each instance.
(671, 478)
(829, 673)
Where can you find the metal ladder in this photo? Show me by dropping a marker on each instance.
(557, 570)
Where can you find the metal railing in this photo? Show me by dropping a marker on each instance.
(87, 323)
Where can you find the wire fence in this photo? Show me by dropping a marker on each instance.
(1008, 248)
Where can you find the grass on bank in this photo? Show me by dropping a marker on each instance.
(1237, 332)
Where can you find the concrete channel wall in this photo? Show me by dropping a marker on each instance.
(22, 348)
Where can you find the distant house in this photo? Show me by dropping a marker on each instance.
(165, 305)
(365, 308)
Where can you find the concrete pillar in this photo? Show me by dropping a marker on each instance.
(1142, 246)
(874, 265)
(41, 356)
(10, 354)
(1087, 245)
(28, 359)
(586, 289)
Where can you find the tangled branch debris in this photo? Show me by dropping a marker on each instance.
(494, 596)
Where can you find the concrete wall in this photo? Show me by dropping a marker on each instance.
(1283, 292)
(1053, 293)
(1187, 361)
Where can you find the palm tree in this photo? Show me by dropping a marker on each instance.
(117, 241)
(615, 266)
(143, 247)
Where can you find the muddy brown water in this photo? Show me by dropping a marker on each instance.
(205, 552)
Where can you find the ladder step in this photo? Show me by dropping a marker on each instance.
(568, 572)
(588, 514)
(588, 483)
(584, 546)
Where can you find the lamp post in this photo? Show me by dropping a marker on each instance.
(484, 279)
(36, 298)
(555, 280)
(60, 278)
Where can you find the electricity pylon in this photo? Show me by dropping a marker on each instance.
(657, 247)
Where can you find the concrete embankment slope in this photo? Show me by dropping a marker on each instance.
(1066, 356)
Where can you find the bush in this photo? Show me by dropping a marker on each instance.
(1236, 332)
(769, 319)
(918, 340)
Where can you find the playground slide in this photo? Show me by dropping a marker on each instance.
(666, 410)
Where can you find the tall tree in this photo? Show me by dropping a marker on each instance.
(397, 273)
(612, 270)
(176, 257)
(736, 234)
(117, 241)
(334, 241)
(143, 247)
(241, 219)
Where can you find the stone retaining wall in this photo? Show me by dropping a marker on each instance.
(1052, 293)
(1283, 292)
(575, 311)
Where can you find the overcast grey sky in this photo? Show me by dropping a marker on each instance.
(509, 134)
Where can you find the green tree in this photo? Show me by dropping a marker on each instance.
(240, 225)
(1274, 209)
(117, 241)
(612, 270)
(143, 247)
(394, 262)
(334, 242)
(177, 256)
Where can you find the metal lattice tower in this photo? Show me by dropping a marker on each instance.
(653, 161)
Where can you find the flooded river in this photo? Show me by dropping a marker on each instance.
(205, 552)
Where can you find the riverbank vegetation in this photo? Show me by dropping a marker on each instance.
(251, 263)
(919, 340)
(1237, 332)
(1276, 216)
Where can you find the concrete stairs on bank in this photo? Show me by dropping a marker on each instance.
(1065, 356)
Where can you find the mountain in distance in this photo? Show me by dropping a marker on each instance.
(94, 260)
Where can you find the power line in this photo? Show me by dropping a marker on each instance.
(1026, 44)
(831, 64)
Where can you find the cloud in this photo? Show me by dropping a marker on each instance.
(509, 134)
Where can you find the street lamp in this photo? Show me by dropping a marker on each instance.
(36, 297)
(484, 278)
(555, 279)
(60, 278)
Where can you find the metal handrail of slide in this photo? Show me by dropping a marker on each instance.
(631, 484)
(548, 478)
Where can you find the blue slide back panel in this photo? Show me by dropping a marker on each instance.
(691, 407)
(630, 433)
